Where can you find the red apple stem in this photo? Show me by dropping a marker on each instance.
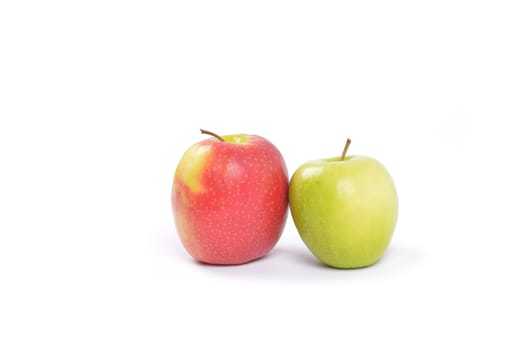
(212, 134)
(347, 144)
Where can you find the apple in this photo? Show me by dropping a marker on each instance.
(230, 198)
(345, 209)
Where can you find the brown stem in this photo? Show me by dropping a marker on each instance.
(347, 144)
(212, 134)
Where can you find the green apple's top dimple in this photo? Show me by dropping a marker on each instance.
(337, 159)
(191, 164)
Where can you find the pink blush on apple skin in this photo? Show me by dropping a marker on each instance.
(240, 211)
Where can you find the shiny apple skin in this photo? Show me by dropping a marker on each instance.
(230, 199)
(345, 211)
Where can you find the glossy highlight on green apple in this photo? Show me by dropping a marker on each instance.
(345, 209)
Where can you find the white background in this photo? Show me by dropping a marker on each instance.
(99, 99)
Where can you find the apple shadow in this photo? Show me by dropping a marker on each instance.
(168, 245)
(291, 262)
(294, 263)
(400, 257)
(281, 263)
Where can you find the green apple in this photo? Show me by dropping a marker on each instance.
(345, 209)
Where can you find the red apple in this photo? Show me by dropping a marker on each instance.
(230, 198)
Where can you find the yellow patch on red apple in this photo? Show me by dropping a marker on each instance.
(189, 169)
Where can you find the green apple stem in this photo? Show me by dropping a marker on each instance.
(212, 134)
(347, 144)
